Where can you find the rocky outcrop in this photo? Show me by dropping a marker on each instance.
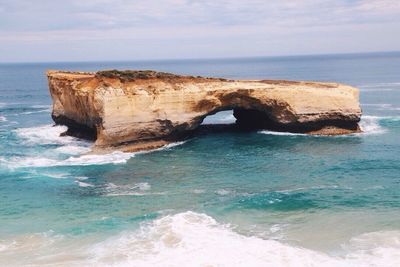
(146, 109)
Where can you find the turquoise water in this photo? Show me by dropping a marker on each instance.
(222, 199)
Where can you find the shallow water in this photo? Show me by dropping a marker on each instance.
(223, 199)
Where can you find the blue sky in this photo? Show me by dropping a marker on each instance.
(86, 30)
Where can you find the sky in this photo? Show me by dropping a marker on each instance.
(95, 30)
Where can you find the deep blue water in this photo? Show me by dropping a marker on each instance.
(326, 201)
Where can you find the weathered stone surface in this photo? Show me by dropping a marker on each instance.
(145, 109)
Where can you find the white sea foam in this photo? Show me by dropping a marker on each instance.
(73, 149)
(47, 134)
(82, 178)
(137, 189)
(165, 147)
(29, 242)
(192, 239)
(223, 192)
(56, 175)
(3, 119)
(370, 125)
(198, 191)
(281, 133)
(112, 158)
(319, 187)
(83, 184)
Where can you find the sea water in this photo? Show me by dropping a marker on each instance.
(221, 199)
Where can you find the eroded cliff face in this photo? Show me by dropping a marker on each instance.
(145, 109)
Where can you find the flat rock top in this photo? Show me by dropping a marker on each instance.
(150, 75)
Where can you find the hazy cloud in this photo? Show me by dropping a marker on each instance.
(191, 28)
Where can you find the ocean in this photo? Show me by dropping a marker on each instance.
(218, 199)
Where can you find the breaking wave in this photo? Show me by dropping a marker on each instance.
(195, 239)
(282, 133)
(76, 149)
(370, 125)
(46, 135)
(83, 160)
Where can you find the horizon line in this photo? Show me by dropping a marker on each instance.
(204, 58)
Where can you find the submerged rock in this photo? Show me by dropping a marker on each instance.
(134, 110)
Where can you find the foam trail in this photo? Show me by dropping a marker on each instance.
(168, 146)
(116, 157)
(84, 160)
(193, 239)
(282, 133)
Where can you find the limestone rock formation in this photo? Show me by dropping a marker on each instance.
(146, 109)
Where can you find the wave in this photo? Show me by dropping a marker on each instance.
(116, 157)
(3, 119)
(83, 184)
(195, 239)
(67, 146)
(165, 147)
(83, 160)
(282, 133)
(46, 135)
(369, 125)
(138, 189)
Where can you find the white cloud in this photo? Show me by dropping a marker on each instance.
(209, 26)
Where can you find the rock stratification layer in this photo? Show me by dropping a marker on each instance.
(146, 109)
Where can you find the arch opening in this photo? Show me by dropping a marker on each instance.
(234, 119)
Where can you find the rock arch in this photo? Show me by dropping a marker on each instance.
(144, 109)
